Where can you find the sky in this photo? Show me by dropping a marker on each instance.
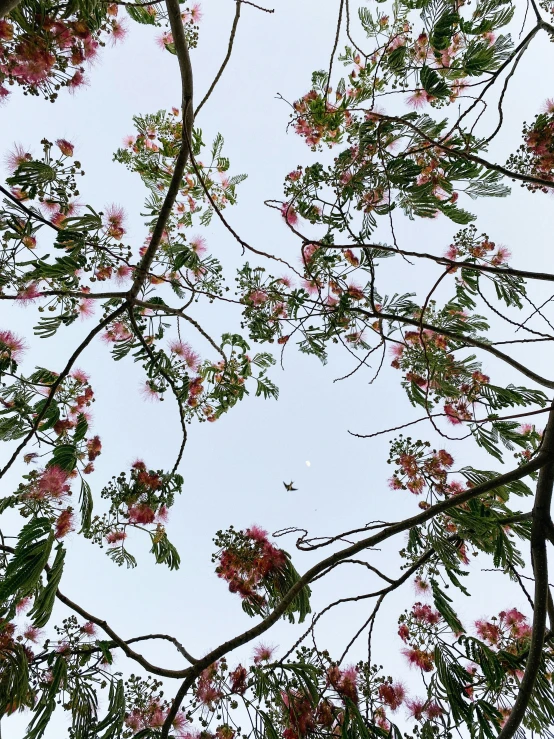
(234, 469)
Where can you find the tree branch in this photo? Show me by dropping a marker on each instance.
(55, 385)
(541, 521)
(181, 49)
(225, 61)
(463, 339)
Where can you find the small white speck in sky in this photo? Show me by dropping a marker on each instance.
(308, 464)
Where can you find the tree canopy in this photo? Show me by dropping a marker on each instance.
(402, 123)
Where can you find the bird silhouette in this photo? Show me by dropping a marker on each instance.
(289, 486)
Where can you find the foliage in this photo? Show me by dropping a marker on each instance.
(433, 63)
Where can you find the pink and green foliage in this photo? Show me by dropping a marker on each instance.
(433, 63)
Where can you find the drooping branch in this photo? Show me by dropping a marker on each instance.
(116, 640)
(171, 383)
(59, 379)
(225, 61)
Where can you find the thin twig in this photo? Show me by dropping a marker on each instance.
(227, 57)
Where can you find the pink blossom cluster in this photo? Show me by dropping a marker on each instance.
(247, 564)
(506, 630)
(539, 140)
(52, 55)
(419, 470)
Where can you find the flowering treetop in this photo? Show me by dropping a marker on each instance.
(433, 65)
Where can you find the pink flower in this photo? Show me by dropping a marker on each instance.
(416, 707)
(198, 245)
(425, 614)
(355, 292)
(64, 524)
(258, 297)
(23, 604)
(286, 281)
(80, 376)
(141, 514)
(114, 218)
(187, 354)
(53, 481)
(433, 710)
(487, 631)
(122, 273)
(393, 694)
(118, 331)
(289, 214)
(501, 257)
(65, 147)
(312, 287)
(32, 633)
(119, 31)
(88, 628)
(11, 345)
(419, 658)
(86, 308)
(257, 534)
(548, 106)
(194, 15)
(419, 99)
(262, 653)
(149, 393)
(308, 252)
(421, 586)
(451, 414)
(163, 514)
(29, 294)
(404, 632)
(164, 40)
(16, 157)
(78, 80)
(114, 537)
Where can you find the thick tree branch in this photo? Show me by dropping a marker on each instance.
(541, 522)
(464, 154)
(539, 461)
(468, 340)
(6, 6)
(500, 271)
(181, 49)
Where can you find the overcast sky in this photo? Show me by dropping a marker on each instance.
(234, 469)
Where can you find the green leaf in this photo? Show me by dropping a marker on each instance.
(86, 505)
(432, 83)
(164, 551)
(64, 456)
(25, 568)
(44, 602)
(81, 428)
(442, 602)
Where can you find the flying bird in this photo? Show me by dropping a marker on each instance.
(289, 486)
